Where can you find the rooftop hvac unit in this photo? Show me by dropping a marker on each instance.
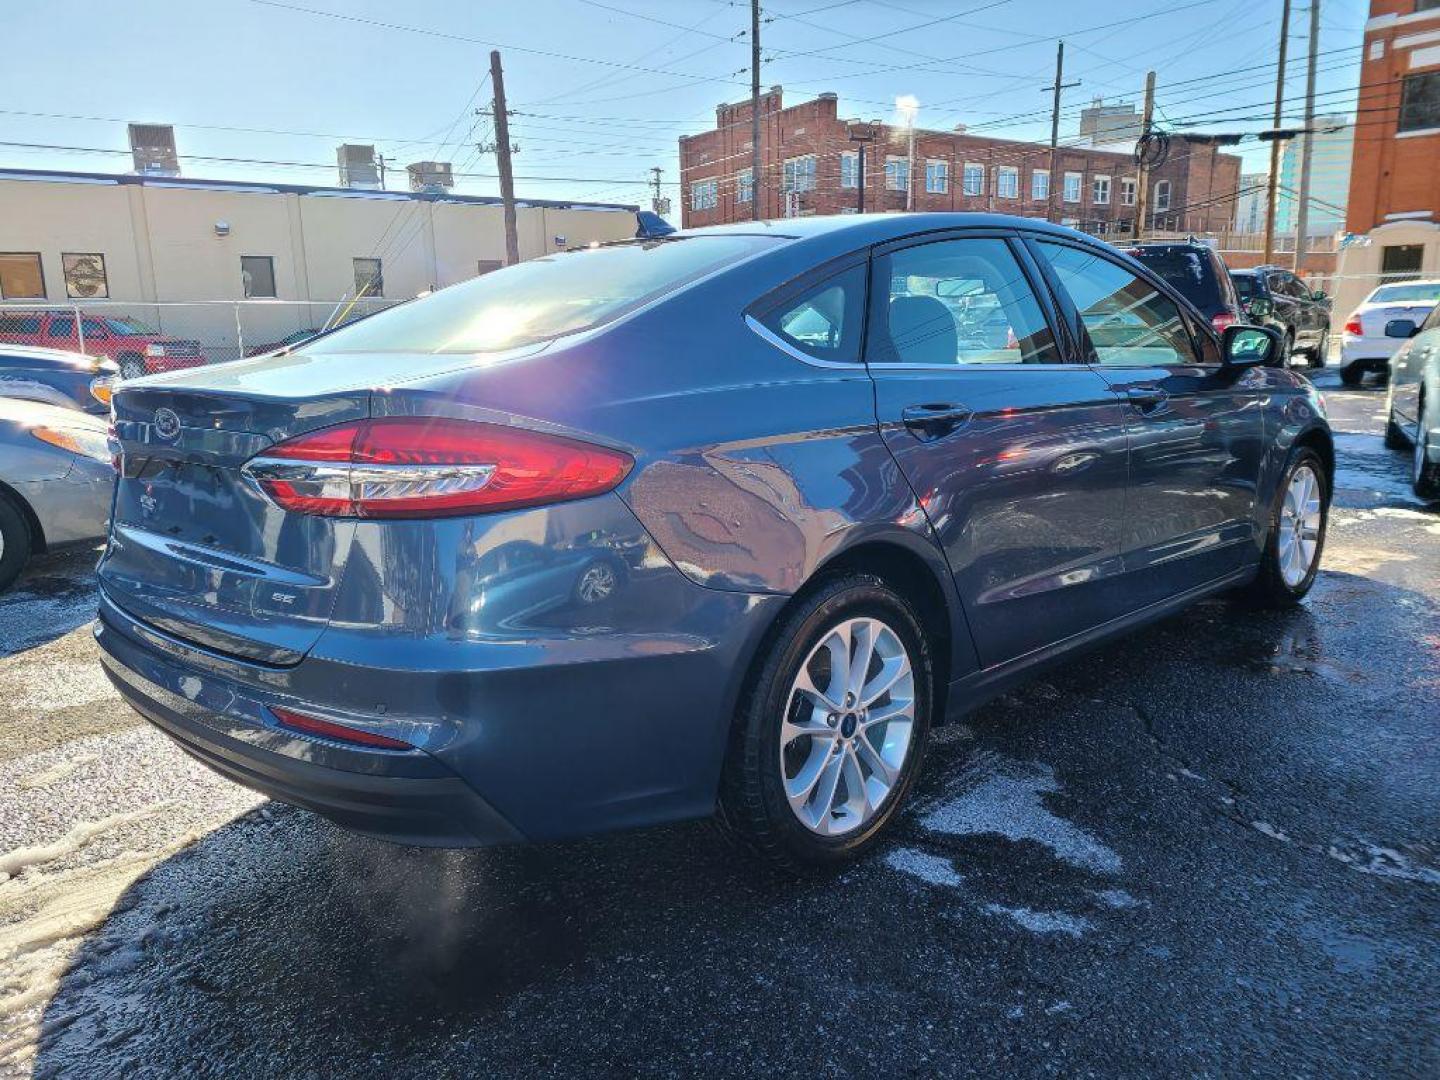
(432, 176)
(358, 168)
(152, 148)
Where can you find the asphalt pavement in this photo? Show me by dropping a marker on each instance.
(1211, 848)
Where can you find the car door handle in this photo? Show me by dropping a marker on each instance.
(1147, 400)
(935, 420)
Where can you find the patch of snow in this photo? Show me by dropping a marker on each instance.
(1012, 804)
(1264, 828)
(931, 869)
(1116, 898)
(1042, 922)
(1384, 862)
(80, 834)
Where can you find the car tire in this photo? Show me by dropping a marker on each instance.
(15, 542)
(1424, 474)
(1320, 349)
(1351, 376)
(132, 365)
(785, 744)
(1278, 584)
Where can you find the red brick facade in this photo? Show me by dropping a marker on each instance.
(1394, 175)
(1202, 184)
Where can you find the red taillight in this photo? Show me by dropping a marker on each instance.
(1352, 326)
(1221, 319)
(328, 729)
(401, 466)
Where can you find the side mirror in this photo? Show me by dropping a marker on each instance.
(1261, 307)
(1248, 346)
(1401, 328)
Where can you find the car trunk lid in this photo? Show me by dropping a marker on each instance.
(1373, 320)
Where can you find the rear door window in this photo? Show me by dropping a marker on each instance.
(1189, 271)
(962, 301)
(1129, 321)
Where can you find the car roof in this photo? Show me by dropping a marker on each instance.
(1416, 281)
(878, 228)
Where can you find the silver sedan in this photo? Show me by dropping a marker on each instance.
(56, 480)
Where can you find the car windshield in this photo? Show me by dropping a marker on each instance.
(1188, 270)
(1427, 293)
(1244, 285)
(541, 299)
(127, 327)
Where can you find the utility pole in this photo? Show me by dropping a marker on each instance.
(1302, 211)
(861, 135)
(655, 172)
(755, 172)
(910, 162)
(1142, 175)
(1060, 84)
(1273, 186)
(502, 158)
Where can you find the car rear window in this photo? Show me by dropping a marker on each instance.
(1398, 294)
(1188, 270)
(543, 298)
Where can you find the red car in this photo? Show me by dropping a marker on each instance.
(135, 347)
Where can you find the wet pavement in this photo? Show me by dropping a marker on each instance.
(1212, 847)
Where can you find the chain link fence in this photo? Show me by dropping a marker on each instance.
(144, 338)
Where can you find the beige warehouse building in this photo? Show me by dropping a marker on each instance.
(230, 262)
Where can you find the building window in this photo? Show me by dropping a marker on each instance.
(1040, 185)
(937, 177)
(1127, 192)
(704, 195)
(1162, 195)
(1401, 262)
(1007, 182)
(1420, 102)
(257, 275)
(369, 277)
(974, 183)
(745, 185)
(85, 276)
(487, 266)
(849, 169)
(799, 174)
(21, 277)
(1071, 190)
(897, 174)
(1100, 190)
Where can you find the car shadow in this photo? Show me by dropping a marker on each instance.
(278, 940)
(53, 596)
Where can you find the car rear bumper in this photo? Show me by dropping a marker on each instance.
(1372, 354)
(513, 741)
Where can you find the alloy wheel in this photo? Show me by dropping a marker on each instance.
(596, 584)
(847, 727)
(1299, 526)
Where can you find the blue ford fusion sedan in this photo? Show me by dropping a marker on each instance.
(717, 523)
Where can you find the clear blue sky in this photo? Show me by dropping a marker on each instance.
(605, 87)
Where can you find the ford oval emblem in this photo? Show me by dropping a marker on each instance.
(167, 424)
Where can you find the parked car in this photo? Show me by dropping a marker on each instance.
(1277, 298)
(1412, 413)
(833, 539)
(288, 341)
(55, 480)
(1366, 344)
(1197, 272)
(56, 377)
(138, 349)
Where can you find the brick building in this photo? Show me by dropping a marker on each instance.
(1393, 212)
(810, 166)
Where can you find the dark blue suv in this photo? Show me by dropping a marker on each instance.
(718, 521)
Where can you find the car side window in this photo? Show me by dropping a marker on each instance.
(1130, 322)
(825, 320)
(963, 301)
